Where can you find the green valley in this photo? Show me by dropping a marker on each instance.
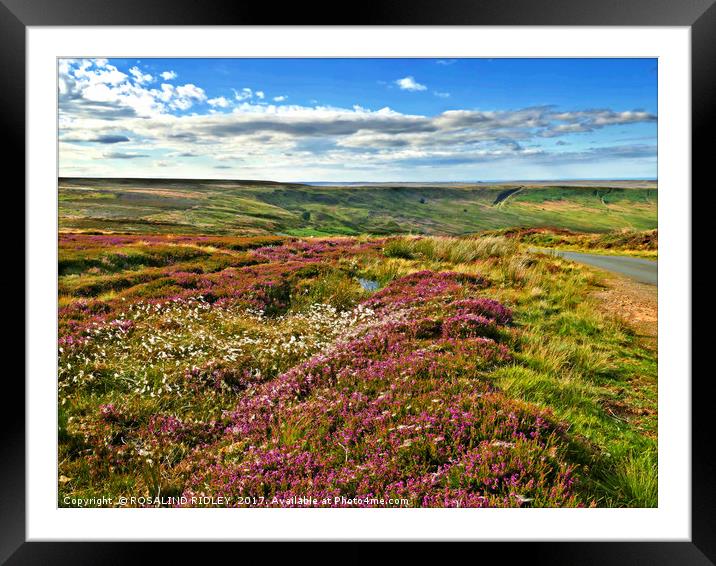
(263, 207)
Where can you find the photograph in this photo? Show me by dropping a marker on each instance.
(357, 282)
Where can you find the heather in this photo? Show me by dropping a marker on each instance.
(475, 375)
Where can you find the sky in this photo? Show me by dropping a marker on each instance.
(351, 120)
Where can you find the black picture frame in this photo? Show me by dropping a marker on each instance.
(699, 15)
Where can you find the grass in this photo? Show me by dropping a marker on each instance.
(451, 250)
(634, 481)
(152, 206)
(636, 243)
(169, 346)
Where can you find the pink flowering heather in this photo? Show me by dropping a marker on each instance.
(488, 308)
(215, 371)
(423, 286)
(468, 326)
(400, 412)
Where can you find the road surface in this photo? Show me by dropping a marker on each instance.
(636, 268)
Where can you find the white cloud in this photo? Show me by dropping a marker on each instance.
(219, 101)
(243, 94)
(168, 75)
(441, 94)
(139, 76)
(191, 91)
(186, 95)
(409, 83)
(247, 94)
(94, 88)
(280, 98)
(100, 74)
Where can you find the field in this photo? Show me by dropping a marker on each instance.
(429, 371)
(150, 206)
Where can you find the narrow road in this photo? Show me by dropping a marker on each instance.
(504, 195)
(636, 268)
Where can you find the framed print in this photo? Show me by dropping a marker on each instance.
(396, 279)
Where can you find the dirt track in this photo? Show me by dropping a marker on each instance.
(635, 303)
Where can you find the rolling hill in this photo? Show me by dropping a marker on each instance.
(263, 207)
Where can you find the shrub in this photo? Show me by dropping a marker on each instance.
(469, 326)
(488, 308)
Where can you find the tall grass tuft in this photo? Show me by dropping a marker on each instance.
(634, 482)
(332, 288)
(453, 250)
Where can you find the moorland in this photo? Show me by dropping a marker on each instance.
(174, 206)
(351, 344)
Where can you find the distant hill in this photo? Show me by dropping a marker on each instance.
(260, 207)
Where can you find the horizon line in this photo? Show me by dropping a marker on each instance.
(502, 180)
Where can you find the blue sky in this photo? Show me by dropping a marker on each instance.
(359, 119)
